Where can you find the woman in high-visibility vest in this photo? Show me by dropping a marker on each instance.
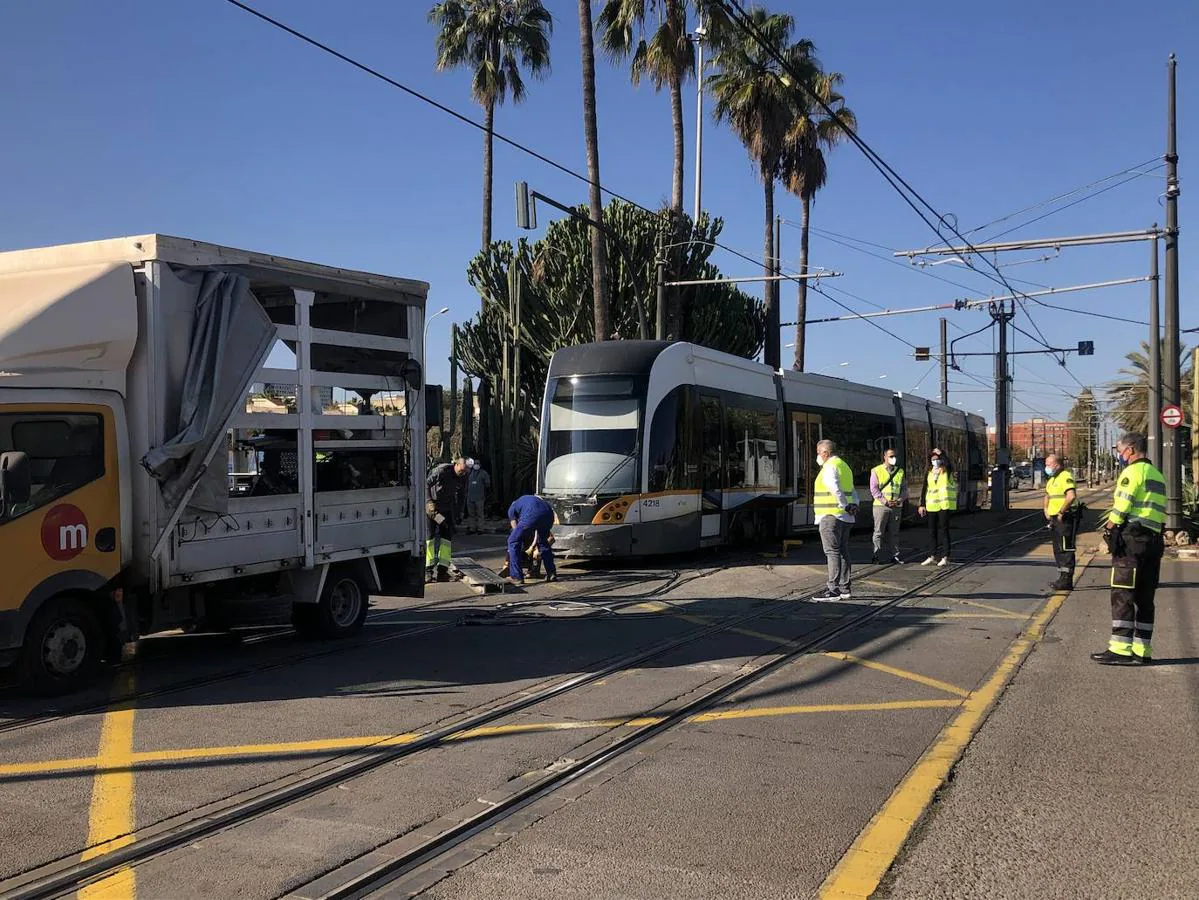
(937, 500)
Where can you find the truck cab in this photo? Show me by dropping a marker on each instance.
(191, 435)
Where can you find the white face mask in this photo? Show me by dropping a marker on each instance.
(936, 463)
(819, 460)
(890, 460)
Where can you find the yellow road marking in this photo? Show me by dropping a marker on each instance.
(329, 745)
(994, 609)
(1006, 616)
(899, 673)
(766, 711)
(110, 820)
(652, 606)
(863, 866)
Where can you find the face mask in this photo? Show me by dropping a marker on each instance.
(1049, 470)
(890, 460)
(936, 463)
(820, 460)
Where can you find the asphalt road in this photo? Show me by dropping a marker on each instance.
(761, 796)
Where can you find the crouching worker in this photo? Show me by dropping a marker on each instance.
(446, 484)
(532, 520)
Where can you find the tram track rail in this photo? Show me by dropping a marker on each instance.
(326, 650)
(67, 873)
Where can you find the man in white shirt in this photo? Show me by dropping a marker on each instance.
(835, 507)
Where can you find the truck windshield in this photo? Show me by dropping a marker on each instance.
(592, 425)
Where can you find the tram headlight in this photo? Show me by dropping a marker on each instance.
(613, 512)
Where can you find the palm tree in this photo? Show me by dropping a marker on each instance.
(496, 39)
(805, 170)
(666, 57)
(1129, 396)
(755, 96)
(599, 254)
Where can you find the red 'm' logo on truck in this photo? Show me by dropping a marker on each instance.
(64, 532)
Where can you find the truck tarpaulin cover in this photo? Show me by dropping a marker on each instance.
(230, 336)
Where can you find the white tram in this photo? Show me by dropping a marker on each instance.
(651, 447)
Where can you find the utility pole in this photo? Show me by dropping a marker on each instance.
(945, 361)
(1171, 455)
(772, 355)
(1003, 454)
(660, 324)
(700, 34)
(1155, 363)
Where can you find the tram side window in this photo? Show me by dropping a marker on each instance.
(713, 437)
(860, 439)
(672, 463)
(919, 446)
(751, 454)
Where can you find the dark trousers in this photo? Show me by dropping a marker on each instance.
(520, 537)
(938, 533)
(438, 552)
(1065, 532)
(1136, 570)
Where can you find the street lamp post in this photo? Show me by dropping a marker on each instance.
(424, 346)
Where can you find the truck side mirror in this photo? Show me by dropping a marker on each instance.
(14, 479)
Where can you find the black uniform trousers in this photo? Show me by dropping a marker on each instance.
(1065, 533)
(938, 533)
(1136, 571)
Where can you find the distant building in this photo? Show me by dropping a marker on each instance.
(286, 393)
(1036, 438)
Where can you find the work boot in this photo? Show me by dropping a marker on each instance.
(443, 574)
(430, 576)
(552, 576)
(1107, 658)
(1063, 583)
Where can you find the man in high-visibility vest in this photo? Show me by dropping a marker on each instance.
(834, 506)
(1133, 533)
(888, 487)
(1062, 514)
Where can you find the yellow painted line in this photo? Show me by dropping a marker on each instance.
(767, 711)
(652, 606)
(859, 872)
(110, 818)
(899, 673)
(994, 609)
(1009, 617)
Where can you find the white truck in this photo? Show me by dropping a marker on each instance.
(136, 375)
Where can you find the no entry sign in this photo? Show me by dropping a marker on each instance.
(1171, 416)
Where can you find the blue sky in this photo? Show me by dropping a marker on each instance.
(193, 118)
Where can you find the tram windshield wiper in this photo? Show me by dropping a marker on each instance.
(593, 494)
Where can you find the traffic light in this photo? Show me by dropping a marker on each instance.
(922, 354)
(1086, 348)
(526, 212)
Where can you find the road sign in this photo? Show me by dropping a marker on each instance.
(1171, 416)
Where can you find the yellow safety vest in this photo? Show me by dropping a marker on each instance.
(941, 492)
(1056, 488)
(894, 490)
(824, 502)
(1140, 497)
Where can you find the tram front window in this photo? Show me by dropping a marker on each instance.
(591, 443)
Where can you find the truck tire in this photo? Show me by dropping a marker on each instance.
(341, 609)
(62, 648)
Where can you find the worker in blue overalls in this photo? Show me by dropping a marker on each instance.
(532, 519)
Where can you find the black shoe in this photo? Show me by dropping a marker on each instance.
(826, 596)
(1107, 658)
(874, 560)
(1062, 584)
(550, 578)
(897, 559)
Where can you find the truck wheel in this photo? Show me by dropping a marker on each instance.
(62, 648)
(341, 610)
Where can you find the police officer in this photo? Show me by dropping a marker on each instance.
(835, 507)
(1062, 513)
(888, 487)
(531, 518)
(1133, 533)
(446, 484)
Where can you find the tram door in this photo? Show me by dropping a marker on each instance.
(806, 430)
(712, 470)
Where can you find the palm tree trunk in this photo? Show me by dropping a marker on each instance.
(802, 312)
(676, 112)
(772, 352)
(599, 256)
(488, 141)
